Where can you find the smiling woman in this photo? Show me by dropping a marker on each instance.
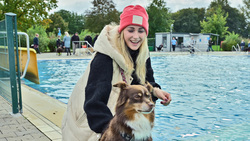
(121, 55)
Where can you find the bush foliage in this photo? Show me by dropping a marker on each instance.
(232, 39)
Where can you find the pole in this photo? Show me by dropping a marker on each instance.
(171, 36)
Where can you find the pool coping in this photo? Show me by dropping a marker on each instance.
(53, 56)
(43, 111)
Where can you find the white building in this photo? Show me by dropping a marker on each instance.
(184, 40)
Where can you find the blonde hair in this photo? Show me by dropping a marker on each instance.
(66, 33)
(140, 61)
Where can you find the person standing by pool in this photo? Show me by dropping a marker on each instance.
(174, 43)
(66, 40)
(36, 43)
(121, 55)
(210, 42)
(75, 44)
(242, 45)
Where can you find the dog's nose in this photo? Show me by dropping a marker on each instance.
(151, 105)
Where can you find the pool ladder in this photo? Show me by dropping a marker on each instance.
(236, 48)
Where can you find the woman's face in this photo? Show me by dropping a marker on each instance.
(134, 36)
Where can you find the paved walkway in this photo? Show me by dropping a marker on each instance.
(15, 127)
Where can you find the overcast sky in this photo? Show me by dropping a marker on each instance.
(80, 6)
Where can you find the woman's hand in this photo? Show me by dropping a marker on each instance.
(165, 96)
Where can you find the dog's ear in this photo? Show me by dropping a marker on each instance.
(121, 85)
(149, 87)
(122, 98)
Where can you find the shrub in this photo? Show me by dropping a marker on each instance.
(151, 42)
(231, 39)
(52, 42)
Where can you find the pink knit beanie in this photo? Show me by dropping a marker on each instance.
(134, 15)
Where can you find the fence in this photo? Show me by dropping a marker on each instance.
(10, 85)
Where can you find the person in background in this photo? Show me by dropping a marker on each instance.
(160, 47)
(122, 54)
(174, 43)
(59, 46)
(242, 45)
(210, 43)
(192, 45)
(88, 38)
(36, 43)
(75, 44)
(66, 40)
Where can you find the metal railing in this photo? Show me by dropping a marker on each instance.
(87, 47)
(28, 53)
(191, 49)
(236, 48)
(10, 87)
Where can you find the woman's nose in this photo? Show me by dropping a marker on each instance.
(136, 35)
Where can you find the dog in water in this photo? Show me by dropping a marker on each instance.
(134, 117)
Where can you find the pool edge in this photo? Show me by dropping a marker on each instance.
(43, 111)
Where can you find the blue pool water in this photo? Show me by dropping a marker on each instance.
(211, 94)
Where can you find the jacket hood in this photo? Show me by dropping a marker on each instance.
(105, 45)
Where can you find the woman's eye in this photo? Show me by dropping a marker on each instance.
(131, 31)
(141, 31)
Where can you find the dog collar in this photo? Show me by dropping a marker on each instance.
(126, 137)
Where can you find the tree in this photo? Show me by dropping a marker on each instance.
(57, 22)
(159, 17)
(236, 21)
(188, 20)
(103, 13)
(75, 22)
(215, 24)
(246, 9)
(29, 12)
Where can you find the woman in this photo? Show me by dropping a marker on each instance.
(174, 42)
(242, 45)
(66, 40)
(36, 43)
(121, 55)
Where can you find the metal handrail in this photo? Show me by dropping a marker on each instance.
(195, 48)
(87, 43)
(236, 48)
(28, 52)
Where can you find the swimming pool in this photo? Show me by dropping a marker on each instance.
(210, 94)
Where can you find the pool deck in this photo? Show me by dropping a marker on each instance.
(42, 115)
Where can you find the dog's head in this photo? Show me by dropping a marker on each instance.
(135, 98)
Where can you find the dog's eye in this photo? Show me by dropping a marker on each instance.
(147, 95)
(137, 96)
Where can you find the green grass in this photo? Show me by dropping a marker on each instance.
(217, 48)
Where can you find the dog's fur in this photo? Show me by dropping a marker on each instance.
(134, 117)
(81, 51)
